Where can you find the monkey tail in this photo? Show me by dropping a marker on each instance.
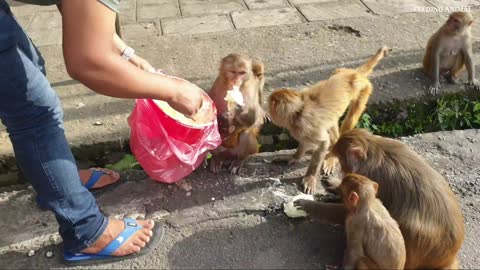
(258, 70)
(368, 67)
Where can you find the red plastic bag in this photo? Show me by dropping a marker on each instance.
(167, 149)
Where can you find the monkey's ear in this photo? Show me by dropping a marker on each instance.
(358, 152)
(375, 187)
(353, 198)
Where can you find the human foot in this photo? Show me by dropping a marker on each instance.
(132, 244)
(107, 178)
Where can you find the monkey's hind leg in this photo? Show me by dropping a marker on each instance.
(331, 161)
(247, 146)
(454, 73)
(357, 107)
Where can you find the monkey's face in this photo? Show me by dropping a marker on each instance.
(454, 24)
(235, 69)
(236, 76)
(458, 22)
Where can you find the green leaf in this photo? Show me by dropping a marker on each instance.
(477, 107)
(126, 163)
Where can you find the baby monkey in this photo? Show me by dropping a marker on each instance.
(374, 240)
(449, 50)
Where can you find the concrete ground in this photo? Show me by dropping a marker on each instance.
(295, 55)
(243, 227)
(300, 42)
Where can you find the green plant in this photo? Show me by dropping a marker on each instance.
(476, 112)
(365, 122)
(126, 163)
(459, 113)
(454, 111)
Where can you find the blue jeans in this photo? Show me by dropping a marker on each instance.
(32, 113)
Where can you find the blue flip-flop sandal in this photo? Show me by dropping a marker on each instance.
(96, 175)
(105, 255)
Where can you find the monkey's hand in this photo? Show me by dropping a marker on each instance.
(235, 166)
(309, 184)
(305, 205)
(433, 89)
(475, 84)
(329, 164)
(216, 164)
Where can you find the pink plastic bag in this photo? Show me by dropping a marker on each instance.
(167, 149)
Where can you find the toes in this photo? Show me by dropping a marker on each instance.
(134, 247)
(145, 238)
(146, 224)
(147, 232)
(139, 242)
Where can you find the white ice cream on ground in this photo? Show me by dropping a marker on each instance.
(291, 211)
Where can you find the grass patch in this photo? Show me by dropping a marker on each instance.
(450, 112)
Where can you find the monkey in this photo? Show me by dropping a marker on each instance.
(416, 195)
(312, 115)
(239, 127)
(449, 50)
(374, 240)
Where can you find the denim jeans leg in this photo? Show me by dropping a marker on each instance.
(32, 113)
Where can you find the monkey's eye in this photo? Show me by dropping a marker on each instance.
(242, 72)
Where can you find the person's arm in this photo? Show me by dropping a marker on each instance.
(92, 58)
(135, 59)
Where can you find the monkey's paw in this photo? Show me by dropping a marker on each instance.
(385, 50)
(215, 165)
(291, 209)
(329, 165)
(309, 184)
(433, 89)
(302, 204)
(235, 167)
(475, 84)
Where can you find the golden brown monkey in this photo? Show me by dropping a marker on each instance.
(374, 240)
(311, 116)
(239, 128)
(416, 195)
(449, 50)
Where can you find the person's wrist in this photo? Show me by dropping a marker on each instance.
(128, 53)
(170, 96)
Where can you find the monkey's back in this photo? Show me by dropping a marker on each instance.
(383, 239)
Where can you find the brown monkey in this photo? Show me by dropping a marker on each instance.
(449, 50)
(374, 240)
(416, 196)
(311, 116)
(239, 127)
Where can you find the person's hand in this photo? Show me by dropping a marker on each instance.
(142, 63)
(187, 98)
